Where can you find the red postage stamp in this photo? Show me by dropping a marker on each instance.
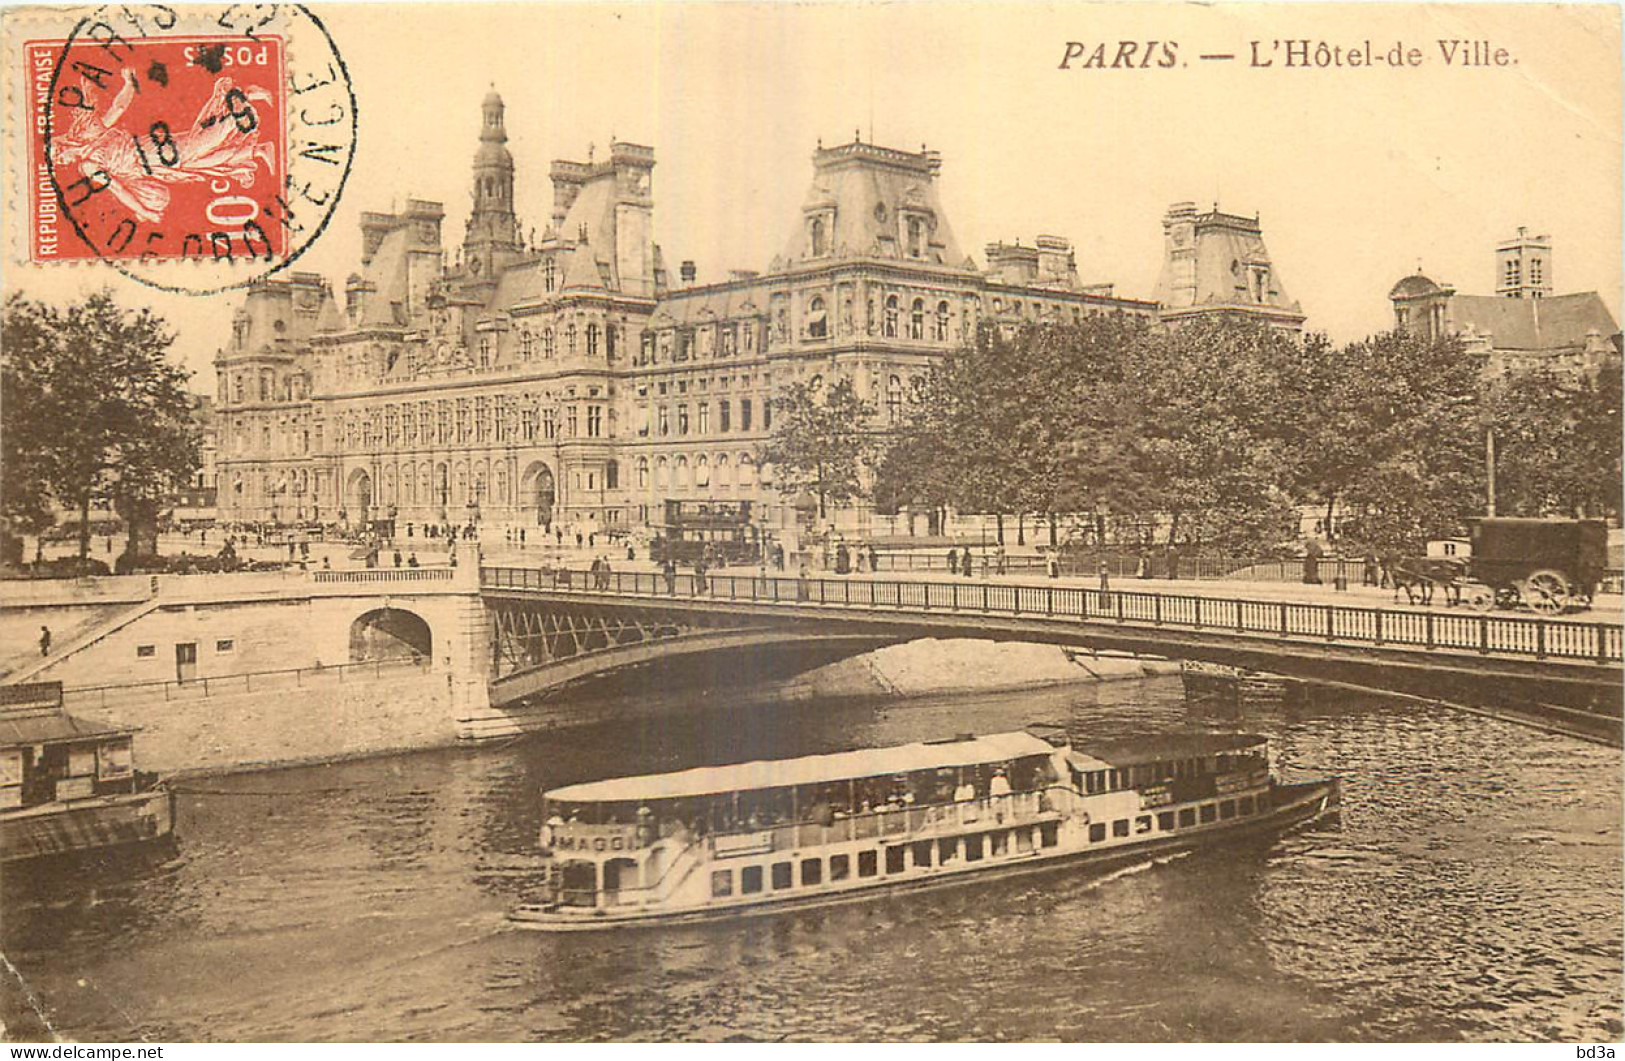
(158, 148)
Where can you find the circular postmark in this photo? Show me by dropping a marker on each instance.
(194, 149)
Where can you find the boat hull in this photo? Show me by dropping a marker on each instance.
(1295, 805)
(86, 825)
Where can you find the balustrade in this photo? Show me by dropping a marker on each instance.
(1506, 635)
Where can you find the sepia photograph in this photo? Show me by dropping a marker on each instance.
(845, 521)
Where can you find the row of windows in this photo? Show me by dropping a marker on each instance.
(920, 854)
(671, 345)
(665, 416)
(915, 232)
(680, 473)
(1184, 818)
(500, 418)
(290, 388)
(548, 343)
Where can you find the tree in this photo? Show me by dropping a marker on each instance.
(25, 355)
(1222, 425)
(821, 442)
(1557, 442)
(1401, 440)
(111, 418)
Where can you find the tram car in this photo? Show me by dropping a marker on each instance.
(1551, 565)
(719, 530)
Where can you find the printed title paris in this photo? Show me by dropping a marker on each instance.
(1289, 54)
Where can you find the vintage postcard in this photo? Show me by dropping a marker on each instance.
(963, 522)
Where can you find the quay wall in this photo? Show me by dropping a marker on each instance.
(281, 719)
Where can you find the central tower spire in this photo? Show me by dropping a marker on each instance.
(492, 240)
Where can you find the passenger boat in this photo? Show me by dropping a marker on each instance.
(68, 785)
(755, 837)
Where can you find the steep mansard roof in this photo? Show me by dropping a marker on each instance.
(870, 190)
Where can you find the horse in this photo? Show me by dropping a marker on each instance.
(1417, 576)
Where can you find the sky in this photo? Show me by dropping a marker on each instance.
(1357, 174)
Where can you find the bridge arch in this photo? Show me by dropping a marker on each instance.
(386, 635)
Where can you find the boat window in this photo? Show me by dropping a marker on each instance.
(1246, 805)
(947, 851)
(895, 860)
(1209, 813)
(1097, 832)
(781, 875)
(750, 880)
(840, 867)
(973, 849)
(1120, 827)
(868, 864)
(1165, 820)
(922, 853)
(1049, 833)
(1227, 809)
(722, 883)
(1142, 824)
(812, 871)
(1000, 843)
(1187, 817)
(1024, 840)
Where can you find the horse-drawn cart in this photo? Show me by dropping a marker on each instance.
(1552, 565)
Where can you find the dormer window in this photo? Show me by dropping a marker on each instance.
(550, 274)
(820, 233)
(916, 237)
(817, 318)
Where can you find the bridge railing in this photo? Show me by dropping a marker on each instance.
(1532, 637)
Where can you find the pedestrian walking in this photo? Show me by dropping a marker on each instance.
(412, 560)
(668, 568)
(953, 560)
(45, 641)
(966, 562)
(1105, 578)
(1052, 565)
(397, 558)
(874, 558)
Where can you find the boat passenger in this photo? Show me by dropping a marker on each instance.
(1000, 785)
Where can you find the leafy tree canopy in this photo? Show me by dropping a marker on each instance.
(100, 413)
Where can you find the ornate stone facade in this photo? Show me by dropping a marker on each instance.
(570, 378)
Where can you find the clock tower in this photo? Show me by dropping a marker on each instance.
(492, 240)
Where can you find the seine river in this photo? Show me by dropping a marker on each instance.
(1471, 890)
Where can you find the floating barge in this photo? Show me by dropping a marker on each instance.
(729, 841)
(68, 785)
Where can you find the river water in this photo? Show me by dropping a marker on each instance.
(1471, 889)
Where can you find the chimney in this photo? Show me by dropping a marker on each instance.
(687, 272)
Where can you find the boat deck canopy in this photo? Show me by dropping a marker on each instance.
(808, 770)
(52, 727)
